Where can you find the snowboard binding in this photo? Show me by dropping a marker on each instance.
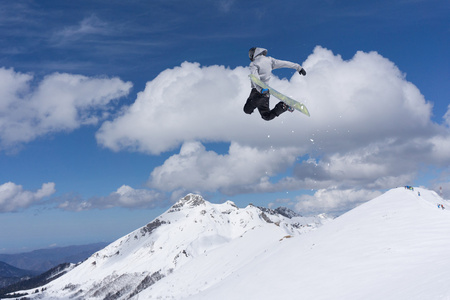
(287, 107)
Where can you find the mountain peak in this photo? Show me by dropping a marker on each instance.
(188, 201)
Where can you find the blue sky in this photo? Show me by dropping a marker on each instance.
(112, 110)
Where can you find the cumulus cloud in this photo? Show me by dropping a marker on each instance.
(196, 169)
(367, 165)
(369, 128)
(333, 201)
(13, 197)
(181, 104)
(125, 196)
(191, 102)
(60, 102)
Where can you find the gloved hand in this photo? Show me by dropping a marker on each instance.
(264, 91)
(302, 72)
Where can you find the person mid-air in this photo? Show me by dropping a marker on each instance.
(261, 66)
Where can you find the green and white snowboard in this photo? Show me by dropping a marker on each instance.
(289, 101)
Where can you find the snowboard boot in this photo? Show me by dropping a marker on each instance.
(287, 107)
(280, 108)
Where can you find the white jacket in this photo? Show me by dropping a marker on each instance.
(262, 66)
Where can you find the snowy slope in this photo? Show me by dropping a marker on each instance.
(189, 231)
(396, 246)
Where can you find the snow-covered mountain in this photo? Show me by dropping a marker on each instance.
(396, 246)
(190, 230)
(393, 247)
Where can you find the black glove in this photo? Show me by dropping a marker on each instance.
(302, 72)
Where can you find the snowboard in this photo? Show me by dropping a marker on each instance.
(289, 101)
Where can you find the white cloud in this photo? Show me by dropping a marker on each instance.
(60, 102)
(13, 197)
(125, 196)
(369, 127)
(182, 104)
(191, 102)
(333, 201)
(378, 165)
(360, 101)
(196, 169)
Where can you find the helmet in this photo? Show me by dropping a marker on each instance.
(251, 52)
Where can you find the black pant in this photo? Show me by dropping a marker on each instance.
(261, 101)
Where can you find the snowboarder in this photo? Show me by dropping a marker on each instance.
(261, 66)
